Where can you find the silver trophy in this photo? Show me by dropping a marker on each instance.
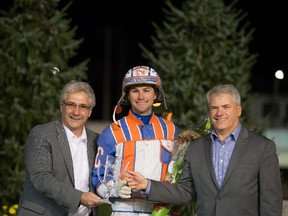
(114, 170)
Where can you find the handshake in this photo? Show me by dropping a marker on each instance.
(133, 181)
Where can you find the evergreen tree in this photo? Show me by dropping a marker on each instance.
(36, 48)
(203, 44)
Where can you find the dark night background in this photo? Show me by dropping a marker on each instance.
(112, 31)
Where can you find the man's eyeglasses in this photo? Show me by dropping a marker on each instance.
(71, 105)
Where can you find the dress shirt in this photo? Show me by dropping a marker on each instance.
(222, 152)
(78, 148)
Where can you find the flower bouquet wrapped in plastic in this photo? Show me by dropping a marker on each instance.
(176, 165)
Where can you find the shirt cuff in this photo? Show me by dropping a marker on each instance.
(146, 192)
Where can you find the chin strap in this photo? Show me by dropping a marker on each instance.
(114, 116)
(118, 106)
(164, 101)
(167, 114)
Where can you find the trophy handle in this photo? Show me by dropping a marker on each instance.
(123, 168)
(102, 180)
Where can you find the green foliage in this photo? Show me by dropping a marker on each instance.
(203, 44)
(36, 44)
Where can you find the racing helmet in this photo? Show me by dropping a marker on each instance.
(141, 75)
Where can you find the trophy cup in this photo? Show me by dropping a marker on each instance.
(114, 170)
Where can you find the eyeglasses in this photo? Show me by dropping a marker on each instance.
(71, 105)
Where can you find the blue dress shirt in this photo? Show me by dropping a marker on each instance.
(222, 151)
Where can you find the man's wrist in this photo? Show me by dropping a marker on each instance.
(147, 184)
(147, 190)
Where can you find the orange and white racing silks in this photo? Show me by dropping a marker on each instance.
(148, 148)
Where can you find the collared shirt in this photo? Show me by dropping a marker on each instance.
(78, 148)
(222, 152)
(144, 119)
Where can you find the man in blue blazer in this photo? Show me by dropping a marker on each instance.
(59, 158)
(230, 172)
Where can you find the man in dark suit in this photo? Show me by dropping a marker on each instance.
(59, 158)
(230, 172)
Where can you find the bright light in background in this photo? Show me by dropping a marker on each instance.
(279, 74)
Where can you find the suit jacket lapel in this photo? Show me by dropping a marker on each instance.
(208, 156)
(239, 148)
(91, 152)
(64, 145)
(90, 149)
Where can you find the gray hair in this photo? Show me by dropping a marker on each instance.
(77, 86)
(225, 89)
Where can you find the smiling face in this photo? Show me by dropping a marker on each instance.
(224, 114)
(142, 98)
(76, 111)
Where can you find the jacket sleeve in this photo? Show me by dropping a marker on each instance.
(178, 193)
(270, 182)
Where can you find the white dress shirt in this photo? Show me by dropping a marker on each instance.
(78, 148)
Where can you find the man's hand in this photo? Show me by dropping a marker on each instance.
(136, 181)
(90, 200)
(123, 190)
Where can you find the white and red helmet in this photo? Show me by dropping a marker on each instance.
(141, 75)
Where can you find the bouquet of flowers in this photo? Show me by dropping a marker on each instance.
(176, 165)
